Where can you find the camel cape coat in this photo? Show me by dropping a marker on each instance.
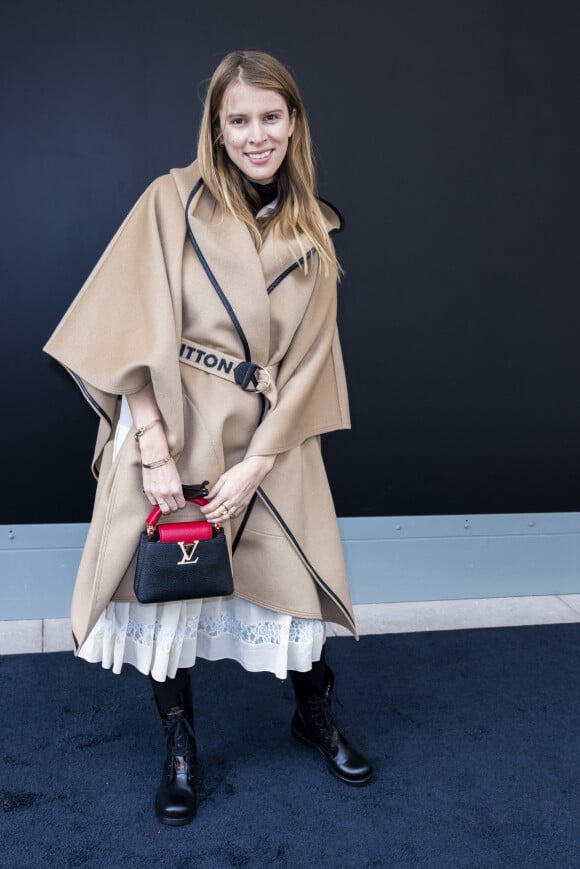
(157, 285)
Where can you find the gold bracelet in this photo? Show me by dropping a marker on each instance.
(143, 428)
(158, 464)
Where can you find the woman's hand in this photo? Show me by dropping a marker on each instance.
(236, 487)
(163, 486)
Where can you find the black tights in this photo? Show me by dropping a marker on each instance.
(170, 693)
(313, 678)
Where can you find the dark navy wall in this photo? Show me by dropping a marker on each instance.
(448, 135)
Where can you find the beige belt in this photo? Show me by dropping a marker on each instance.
(250, 376)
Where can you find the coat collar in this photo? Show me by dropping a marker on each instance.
(277, 258)
(231, 262)
(241, 275)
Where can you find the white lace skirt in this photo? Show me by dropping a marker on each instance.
(159, 638)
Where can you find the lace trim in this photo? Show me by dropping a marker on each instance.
(302, 630)
(225, 623)
(157, 634)
(266, 632)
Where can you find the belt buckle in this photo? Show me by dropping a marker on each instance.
(248, 372)
(263, 386)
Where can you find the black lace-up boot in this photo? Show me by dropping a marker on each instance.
(176, 799)
(313, 724)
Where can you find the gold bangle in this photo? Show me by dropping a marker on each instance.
(158, 464)
(143, 428)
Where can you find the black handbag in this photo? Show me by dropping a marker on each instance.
(182, 560)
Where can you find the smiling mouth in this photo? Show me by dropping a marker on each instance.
(259, 156)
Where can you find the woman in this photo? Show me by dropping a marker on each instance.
(229, 257)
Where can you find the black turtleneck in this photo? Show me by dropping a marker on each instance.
(266, 192)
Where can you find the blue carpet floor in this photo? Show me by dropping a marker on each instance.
(475, 736)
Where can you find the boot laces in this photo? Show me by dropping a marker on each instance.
(323, 720)
(181, 736)
(181, 748)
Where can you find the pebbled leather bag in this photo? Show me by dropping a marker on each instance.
(182, 560)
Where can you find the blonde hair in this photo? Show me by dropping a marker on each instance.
(298, 212)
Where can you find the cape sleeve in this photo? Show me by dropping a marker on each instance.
(312, 392)
(122, 330)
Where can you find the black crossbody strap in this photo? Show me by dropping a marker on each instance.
(214, 282)
(237, 325)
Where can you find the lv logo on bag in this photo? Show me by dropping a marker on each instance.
(188, 551)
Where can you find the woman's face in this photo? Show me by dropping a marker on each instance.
(255, 126)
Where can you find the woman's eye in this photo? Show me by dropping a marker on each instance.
(237, 122)
(272, 117)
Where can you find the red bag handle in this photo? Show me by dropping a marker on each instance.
(155, 514)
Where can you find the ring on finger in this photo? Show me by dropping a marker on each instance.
(223, 509)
